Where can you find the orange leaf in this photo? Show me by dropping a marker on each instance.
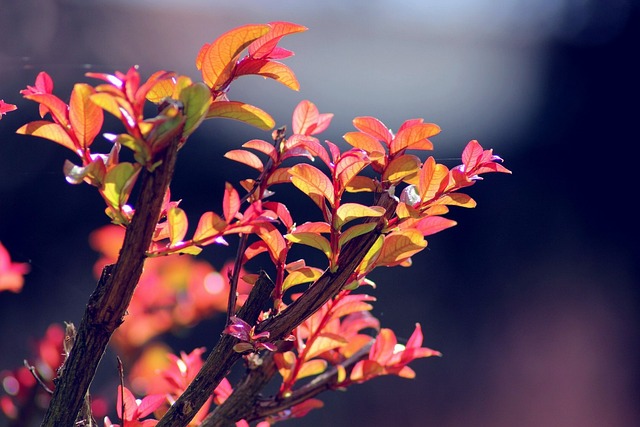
(85, 116)
(414, 137)
(324, 342)
(400, 245)
(246, 113)
(209, 225)
(359, 184)
(54, 105)
(350, 211)
(457, 199)
(263, 147)
(274, 240)
(311, 180)
(48, 130)
(373, 127)
(218, 60)
(269, 69)
(230, 202)
(246, 157)
(350, 165)
(313, 227)
(279, 176)
(431, 177)
(263, 46)
(364, 142)
(400, 168)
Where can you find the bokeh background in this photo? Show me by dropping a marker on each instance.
(533, 298)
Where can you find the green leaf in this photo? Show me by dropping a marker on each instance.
(178, 224)
(355, 231)
(311, 239)
(197, 100)
(119, 182)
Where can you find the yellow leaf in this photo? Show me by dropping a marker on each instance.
(354, 231)
(178, 224)
(350, 211)
(210, 225)
(457, 199)
(118, 183)
(301, 275)
(311, 239)
(240, 111)
(369, 260)
(431, 176)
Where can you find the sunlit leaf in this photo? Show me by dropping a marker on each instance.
(48, 130)
(94, 172)
(269, 69)
(209, 225)
(400, 168)
(457, 199)
(230, 202)
(324, 342)
(369, 260)
(161, 89)
(301, 275)
(354, 231)
(279, 176)
(264, 46)
(263, 147)
(364, 142)
(311, 239)
(275, 242)
(310, 179)
(53, 104)
(305, 117)
(282, 211)
(431, 176)
(350, 165)
(246, 157)
(220, 57)
(471, 155)
(400, 245)
(312, 367)
(178, 224)
(118, 183)
(240, 111)
(85, 116)
(373, 127)
(433, 224)
(196, 99)
(350, 211)
(414, 137)
(359, 184)
(314, 227)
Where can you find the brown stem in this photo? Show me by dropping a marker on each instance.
(321, 383)
(220, 360)
(244, 398)
(223, 357)
(107, 305)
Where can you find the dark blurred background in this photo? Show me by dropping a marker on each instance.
(533, 298)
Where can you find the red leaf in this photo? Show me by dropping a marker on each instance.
(5, 108)
(305, 118)
(263, 147)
